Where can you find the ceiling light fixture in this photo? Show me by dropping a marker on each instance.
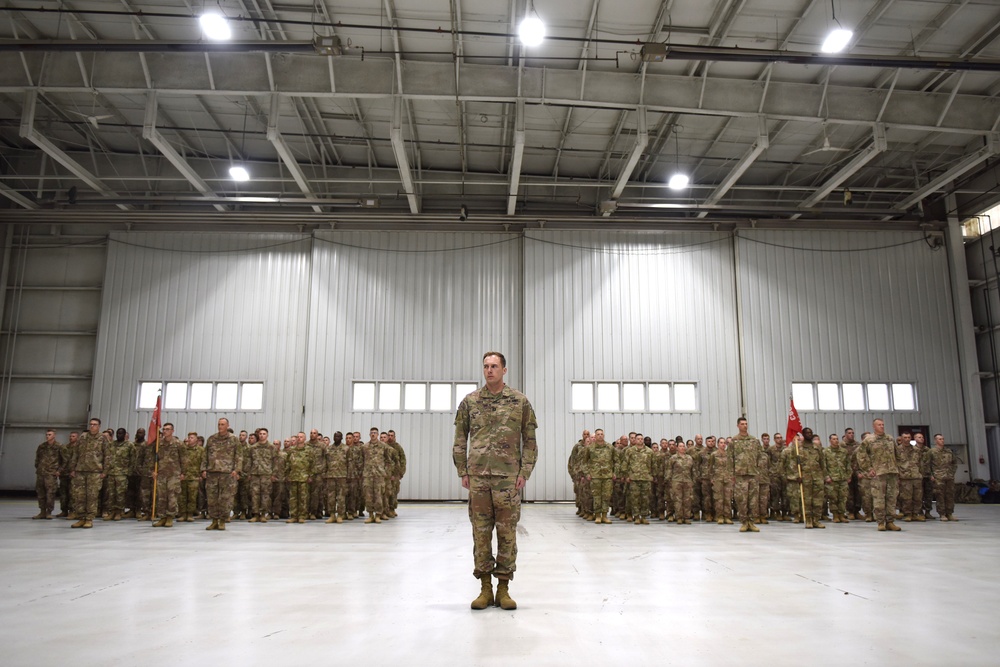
(679, 180)
(215, 26)
(531, 30)
(838, 38)
(238, 173)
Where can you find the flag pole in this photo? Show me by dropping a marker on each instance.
(156, 460)
(802, 493)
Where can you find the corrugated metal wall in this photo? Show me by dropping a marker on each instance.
(603, 306)
(848, 307)
(204, 307)
(983, 268)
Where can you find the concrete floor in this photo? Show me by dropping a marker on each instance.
(399, 593)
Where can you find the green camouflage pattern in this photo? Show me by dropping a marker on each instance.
(495, 435)
(599, 460)
(223, 453)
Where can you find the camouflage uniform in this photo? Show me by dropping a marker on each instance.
(119, 460)
(192, 458)
(88, 468)
(697, 506)
(763, 484)
(47, 476)
(837, 468)
(778, 499)
(145, 459)
(317, 489)
(910, 480)
(681, 471)
(299, 467)
(810, 458)
(168, 477)
(745, 452)
(494, 445)
(223, 457)
(618, 486)
(862, 465)
(261, 468)
(703, 478)
(881, 456)
(597, 464)
(639, 473)
(279, 494)
(390, 468)
(720, 466)
(355, 487)
(574, 469)
(400, 472)
(376, 460)
(943, 467)
(65, 456)
(335, 475)
(927, 491)
(241, 496)
(659, 483)
(854, 503)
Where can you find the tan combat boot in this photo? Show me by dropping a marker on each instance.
(221, 525)
(720, 521)
(504, 600)
(951, 517)
(168, 522)
(378, 518)
(485, 598)
(637, 520)
(332, 519)
(908, 518)
(40, 515)
(79, 524)
(291, 519)
(161, 523)
(753, 528)
(340, 518)
(919, 517)
(645, 521)
(881, 526)
(763, 521)
(213, 525)
(744, 527)
(371, 518)
(892, 526)
(88, 523)
(598, 519)
(263, 518)
(817, 524)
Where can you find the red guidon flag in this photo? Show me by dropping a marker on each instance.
(794, 423)
(154, 423)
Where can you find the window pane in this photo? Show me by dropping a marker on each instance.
(441, 397)
(607, 397)
(415, 396)
(829, 397)
(463, 389)
(364, 396)
(225, 396)
(583, 396)
(659, 397)
(685, 398)
(147, 394)
(854, 397)
(201, 396)
(252, 397)
(802, 395)
(903, 398)
(388, 396)
(176, 396)
(634, 397)
(878, 397)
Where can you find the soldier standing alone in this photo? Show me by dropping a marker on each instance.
(746, 451)
(494, 452)
(223, 463)
(47, 475)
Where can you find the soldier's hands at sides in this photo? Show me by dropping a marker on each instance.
(465, 481)
(520, 483)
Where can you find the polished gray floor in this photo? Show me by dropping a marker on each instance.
(398, 594)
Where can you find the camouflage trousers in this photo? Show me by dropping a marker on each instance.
(260, 494)
(336, 496)
(944, 493)
(854, 504)
(115, 492)
(317, 494)
(86, 490)
(865, 484)
(779, 501)
(885, 489)
(638, 498)
(279, 499)
(911, 492)
(745, 492)
(46, 487)
(298, 500)
(387, 495)
(723, 492)
(494, 503)
(794, 497)
(763, 497)
(601, 488)
(586, 497)
(241, 497)
(374, 490)
(617, 497)
(928, 495)
(815, 496)
(219, 490)
(683, 498)
(168, 491)
(656, 496)
(145, 494)
(188, 502)
(707, 498)
(393, 494)
(836, 495)
(576, 492)
(355, 496)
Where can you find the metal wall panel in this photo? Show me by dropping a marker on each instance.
(419, 307)
(626, 306)
(848, 306)
(204, 307)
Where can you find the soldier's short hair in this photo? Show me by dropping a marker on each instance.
(194, 433)
(201, 440)
(391, 431)
(95, 419)
(937, 434)
(166, 424)
(503, 359)
(741, 419)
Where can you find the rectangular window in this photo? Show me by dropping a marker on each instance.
(252, 396)
(201, 396)
(802, 396)
(878, 397)
(829, 396)
(415, 396)
(685, 398)
(175, 397)
(463, 390)
(607, 397)
(364, 396)
(148, 391)
(388, 396)
(441, 397)
(854, 396)
(225, 395)
(633, 397)
(903, 397)
(659, 397)
(582, 396)
(396, 396)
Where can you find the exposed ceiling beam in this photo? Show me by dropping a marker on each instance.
(641, 141)
(399, 150)
(29, 132)
(153, 136)
(758, 147)
(991, 148)
(16, 197)
(285, 152)
(516, 158)
(877, 146)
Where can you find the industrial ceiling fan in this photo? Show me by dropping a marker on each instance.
(826, 147)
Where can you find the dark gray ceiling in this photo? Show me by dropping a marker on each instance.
(434, 105)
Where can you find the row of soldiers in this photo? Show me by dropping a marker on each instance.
(757, 480)
(224, 477)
